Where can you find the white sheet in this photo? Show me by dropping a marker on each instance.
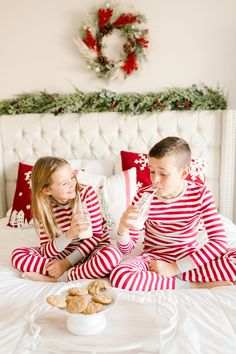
(165, 322)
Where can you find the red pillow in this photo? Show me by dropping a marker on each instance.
(21, 209)
(197, 171)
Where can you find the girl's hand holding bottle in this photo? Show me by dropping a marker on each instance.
(80, 226)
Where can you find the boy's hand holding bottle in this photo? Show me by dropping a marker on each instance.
(128, 216)
(136, 215)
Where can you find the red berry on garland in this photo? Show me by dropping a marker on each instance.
(187, 104)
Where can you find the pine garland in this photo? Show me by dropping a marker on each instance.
(179, 99)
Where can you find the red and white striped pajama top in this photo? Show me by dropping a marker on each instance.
(95, 256)
(171, 234)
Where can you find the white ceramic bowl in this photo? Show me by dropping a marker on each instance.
(81, 324)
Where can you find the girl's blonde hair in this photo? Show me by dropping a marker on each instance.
(41, 203)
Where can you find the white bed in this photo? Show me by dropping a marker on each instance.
(167, 322)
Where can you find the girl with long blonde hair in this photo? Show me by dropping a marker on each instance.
(64, 252)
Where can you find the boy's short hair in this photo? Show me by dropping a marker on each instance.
(172, 145)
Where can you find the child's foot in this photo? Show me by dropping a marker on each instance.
(37, 277)
(211, 284)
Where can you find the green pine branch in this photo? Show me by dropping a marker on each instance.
(193, 98)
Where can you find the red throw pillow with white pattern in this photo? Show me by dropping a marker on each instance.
(197, 171)
(21, 209)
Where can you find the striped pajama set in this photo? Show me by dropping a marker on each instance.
(171, 234)
(90, 258)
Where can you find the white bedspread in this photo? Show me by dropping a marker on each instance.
(166, 322)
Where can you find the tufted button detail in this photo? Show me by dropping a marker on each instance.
(85, 138)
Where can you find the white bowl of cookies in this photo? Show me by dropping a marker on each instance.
(85, 307)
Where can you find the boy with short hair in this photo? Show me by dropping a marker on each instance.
(170, 247)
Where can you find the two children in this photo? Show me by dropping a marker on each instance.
(170, 248)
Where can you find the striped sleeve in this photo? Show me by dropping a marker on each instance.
(51, 248)
(127, 242)
(217, 241)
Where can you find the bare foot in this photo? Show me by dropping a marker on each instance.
(37, 277)
(211, 284)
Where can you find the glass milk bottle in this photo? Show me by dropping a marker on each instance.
(144, 206)
(85, 218)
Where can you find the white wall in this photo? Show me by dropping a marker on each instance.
(192, 41)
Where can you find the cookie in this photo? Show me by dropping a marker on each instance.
(92, 307)
(96, 286)
(76, 304)
(104, 299)
(57, 301)
(77, 291)
(69, 297)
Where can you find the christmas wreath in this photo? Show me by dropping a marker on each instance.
(104, 21)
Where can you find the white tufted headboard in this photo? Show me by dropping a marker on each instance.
(211, 134)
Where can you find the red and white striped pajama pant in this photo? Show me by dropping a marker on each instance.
(133, 274)
(98, 264)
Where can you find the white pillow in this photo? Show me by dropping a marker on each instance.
(120, 190)
(115, 193)
(103, 167)
(92, 179)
